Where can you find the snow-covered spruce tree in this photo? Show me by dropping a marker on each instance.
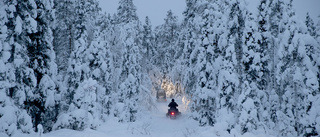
(249, 104)
(313, 47)
(116, 48)
(313, 117)
(277, 15)
(264, 41)
(6, 69)
(166, 39)
(77, 69)
(313, 111)
(79, 73)
(32, 60)
(101, 67)
(88, 99)
(21, 26)
(314, 30)
(253, 100)
(130, 76)
(81, 92)
(305, 85)
(293, 65)
(130, 90)
(237, 12)
(204, 56)
(12, 118)
(148, 52)
(131, 73)
(64, 29)
(274, 14)
(85, 110)
(228, 79)
(148, 48)
(283, 30)
(42, 61)
(267, 57)
(187, 37)
(227, 85)
(126, 12)
(236, 23)
(310, 25)
(93, 9)
(63, 32)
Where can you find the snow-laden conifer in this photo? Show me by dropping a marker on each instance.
(63, 32)
(42, 57)
(252, 95)
(206, 65)
(128, 89)
(16, 77)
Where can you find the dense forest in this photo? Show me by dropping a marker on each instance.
(66, 64)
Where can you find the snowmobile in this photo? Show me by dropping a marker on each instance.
(161, 96)
(173, 113)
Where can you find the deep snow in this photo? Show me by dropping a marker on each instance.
(152, 124)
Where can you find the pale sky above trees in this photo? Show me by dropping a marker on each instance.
(157, 9)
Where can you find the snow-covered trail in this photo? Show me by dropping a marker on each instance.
(154, 124)
(163, 126)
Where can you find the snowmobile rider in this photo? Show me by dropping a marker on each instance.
(173, 105)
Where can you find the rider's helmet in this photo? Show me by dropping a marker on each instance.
(172, 100)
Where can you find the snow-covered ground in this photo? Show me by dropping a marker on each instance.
(153, 124)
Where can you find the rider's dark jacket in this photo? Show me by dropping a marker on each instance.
(173, 105)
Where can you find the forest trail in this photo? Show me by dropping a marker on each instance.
(163, 126)
(155, 124)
